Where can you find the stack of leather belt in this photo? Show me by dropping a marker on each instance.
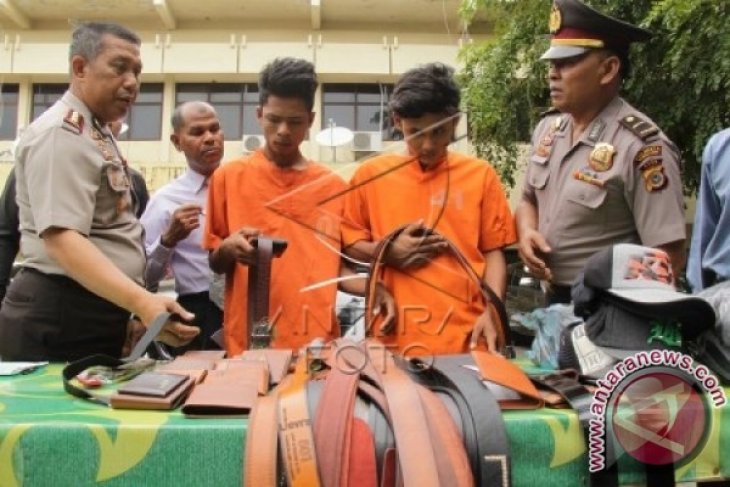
(355, 414)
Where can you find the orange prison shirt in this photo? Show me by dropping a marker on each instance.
(254, 192)
(463, 200)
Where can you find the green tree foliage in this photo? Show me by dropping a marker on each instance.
(681, 78)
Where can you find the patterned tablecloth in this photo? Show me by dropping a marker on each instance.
(48, 438)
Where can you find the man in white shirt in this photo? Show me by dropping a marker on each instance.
(172, 220)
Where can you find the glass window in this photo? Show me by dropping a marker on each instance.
(45, 95)
(8, 111)
(358, 107)
(235, 104)
(145, 115)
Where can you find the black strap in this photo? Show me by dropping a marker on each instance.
(659, 475)
(131, 362)
(566, 384)
(480, 417)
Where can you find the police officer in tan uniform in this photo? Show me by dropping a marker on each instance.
(600, 172)
(85, 259)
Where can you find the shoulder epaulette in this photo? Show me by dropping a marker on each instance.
(74, 122)
(549, 111)
(640, 127)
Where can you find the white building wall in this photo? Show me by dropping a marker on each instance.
(362, 56)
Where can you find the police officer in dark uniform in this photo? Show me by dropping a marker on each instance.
(600, 172)
(82, 243)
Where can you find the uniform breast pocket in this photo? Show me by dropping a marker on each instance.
(117, 178)
(586, 195)
(585, 212)
(114, 199)
(539, 172)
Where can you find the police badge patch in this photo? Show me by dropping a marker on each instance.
(654, 178)
(647, 152)
(601, 158)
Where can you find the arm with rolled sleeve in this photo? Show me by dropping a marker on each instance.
(155, 221)
(357, 239)
(497, 231)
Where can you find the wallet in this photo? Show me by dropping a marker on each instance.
(278, 361)
(152, 390)
(154, 384)
(229, 390)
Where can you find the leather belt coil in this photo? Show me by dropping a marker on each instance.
(491, 300)
(475, 410)
(373, 426)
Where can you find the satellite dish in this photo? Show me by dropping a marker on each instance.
(334, 136)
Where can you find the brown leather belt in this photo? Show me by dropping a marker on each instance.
(261, 443)
(334, 429)
(259, 281)
(427, 449)
(377, 267)
(295, 430)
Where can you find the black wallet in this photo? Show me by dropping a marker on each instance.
(154, 384)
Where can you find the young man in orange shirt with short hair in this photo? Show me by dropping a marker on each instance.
(277, 192)
(458, 196)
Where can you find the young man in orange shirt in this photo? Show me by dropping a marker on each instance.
(277, 192)
(458, 196)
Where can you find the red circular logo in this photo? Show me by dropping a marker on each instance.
(660, 418)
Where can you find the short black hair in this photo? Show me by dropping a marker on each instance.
(86, 40)
(288, 78)
(430, 88)
(622, 53)
(623, 57)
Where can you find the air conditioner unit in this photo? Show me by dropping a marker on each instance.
(253, 142)
(367, 141)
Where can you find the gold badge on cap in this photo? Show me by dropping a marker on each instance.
(556, 19)
(602, 157)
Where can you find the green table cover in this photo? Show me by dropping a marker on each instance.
(48, 438)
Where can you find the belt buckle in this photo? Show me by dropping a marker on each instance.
(261, 335)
